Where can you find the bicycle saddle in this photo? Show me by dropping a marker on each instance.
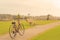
(13, 22)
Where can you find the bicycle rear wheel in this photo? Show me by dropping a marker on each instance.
(21, 30)
(12, 31)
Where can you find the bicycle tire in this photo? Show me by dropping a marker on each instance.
(21, 30)
(10, 31)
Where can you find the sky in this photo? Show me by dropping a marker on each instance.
(32, 7)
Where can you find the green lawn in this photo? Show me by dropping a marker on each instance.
(42, 22)
(52, 34)
(4, 25)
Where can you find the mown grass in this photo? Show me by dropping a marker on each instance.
(42, 22)
(52, 34)
(4, 25)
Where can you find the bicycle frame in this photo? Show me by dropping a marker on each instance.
(13, 29)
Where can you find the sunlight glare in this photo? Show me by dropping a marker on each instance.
(56, 3)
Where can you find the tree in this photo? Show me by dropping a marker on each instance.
(48, 17)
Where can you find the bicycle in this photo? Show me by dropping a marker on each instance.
(14, 29)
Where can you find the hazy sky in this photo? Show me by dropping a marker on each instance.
(34, 7)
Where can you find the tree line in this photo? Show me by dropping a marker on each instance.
(11, 17)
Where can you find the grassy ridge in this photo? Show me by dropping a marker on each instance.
(52, 34)
(4, 25)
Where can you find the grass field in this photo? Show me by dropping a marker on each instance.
(52, 34)
(42, 22)
(4, 25)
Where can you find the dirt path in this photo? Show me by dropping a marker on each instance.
(31, 32)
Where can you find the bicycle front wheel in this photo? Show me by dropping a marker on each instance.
(12, 31)
(21, 30)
